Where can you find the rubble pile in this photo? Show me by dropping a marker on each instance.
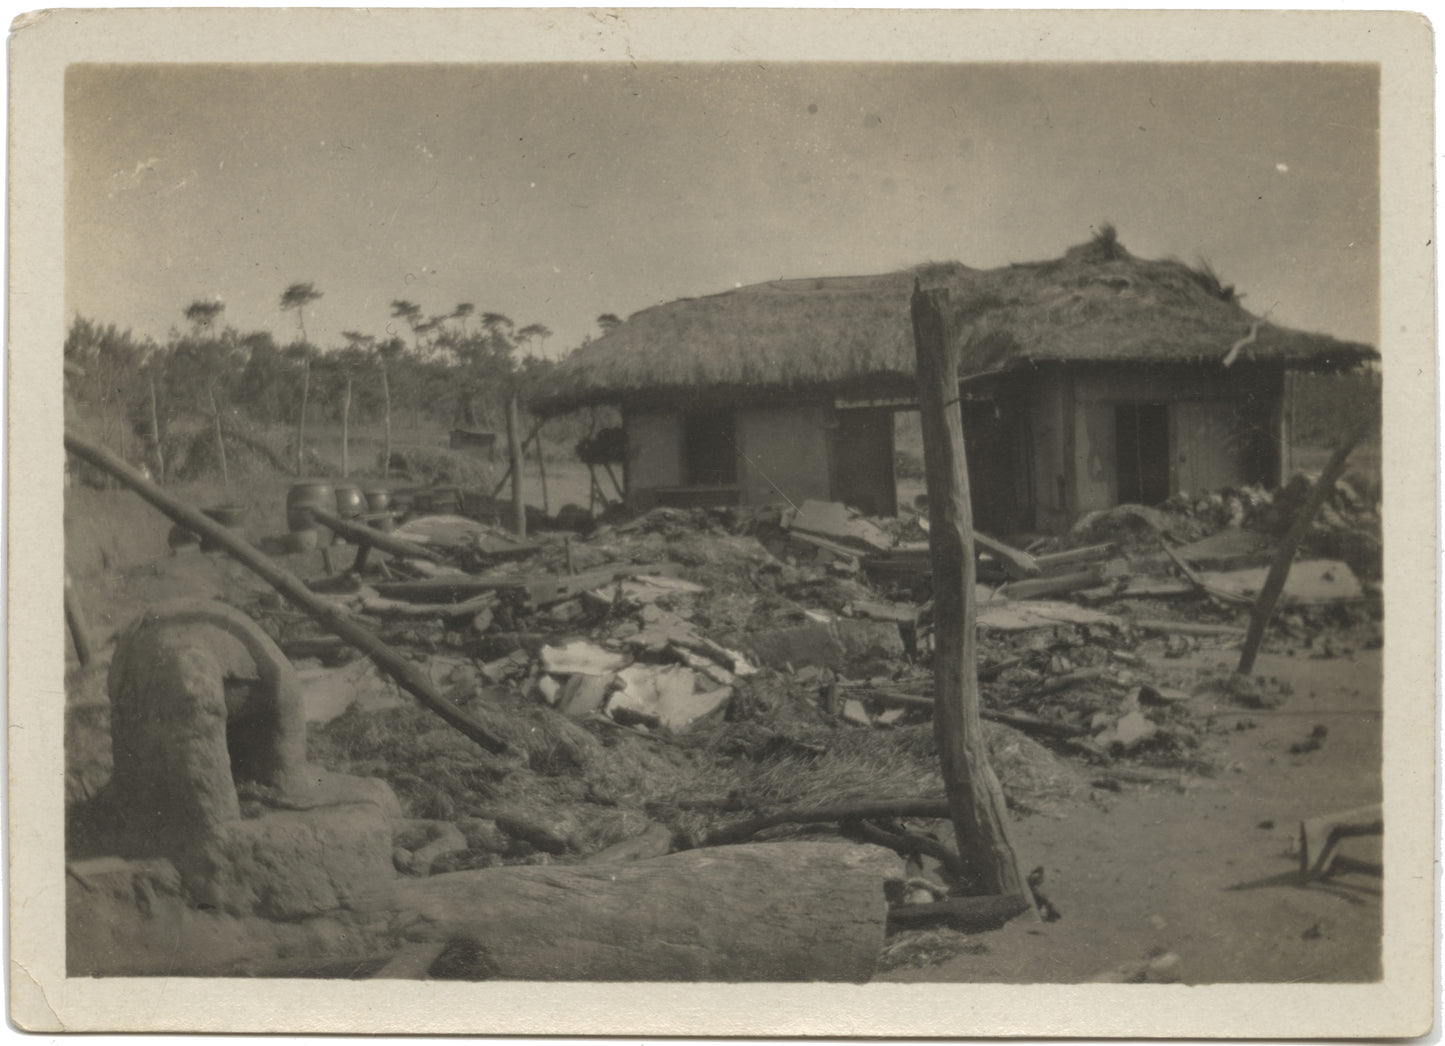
(676, 672)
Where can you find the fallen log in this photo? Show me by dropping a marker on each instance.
(1016, 563)
(1068, 679)
(744, 830)
(384, 607)
(969, 914)
(1059, 584)
(1051, 561)
(368, 537)
(391, 663)
(798, 911)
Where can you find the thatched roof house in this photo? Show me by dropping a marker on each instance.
(1059, 351)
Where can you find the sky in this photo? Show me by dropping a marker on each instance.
(553, 193)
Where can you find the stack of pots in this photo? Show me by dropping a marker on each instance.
(318, 493)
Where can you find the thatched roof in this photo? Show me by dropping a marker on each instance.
(1098, 303)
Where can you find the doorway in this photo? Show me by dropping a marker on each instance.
(1141, 452)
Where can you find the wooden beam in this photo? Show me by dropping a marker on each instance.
(332, 617)
(975, 799)
(368, 537)
(1284, 556)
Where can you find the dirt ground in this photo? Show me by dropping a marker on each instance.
(1206, 871)
(1191, 878)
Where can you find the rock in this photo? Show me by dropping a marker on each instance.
(566, 613)
(580, 656)
(813, 643)
(869, 640)
(292, 864)
(327, 692)
(583, 694)
(549, 688)
(1128, 732)
(663, 696)
(855, 713)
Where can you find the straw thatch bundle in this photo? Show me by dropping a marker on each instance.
(1098, 303)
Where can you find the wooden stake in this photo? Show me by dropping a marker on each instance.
(346, 430)
(301, 415)
(386, 421)
(542, 470)
(1284, 555)
(514, 446)
(220, 443)
(329, 615)
(975, 799)
(156, 435)
(79, 630)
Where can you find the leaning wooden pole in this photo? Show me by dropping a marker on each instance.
(975, 799)
(156, 435)
(514, 446)
(542, 471)
(346, 430)
(1284, 555)
(332, 617)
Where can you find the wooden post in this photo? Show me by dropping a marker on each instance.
(156, 435)
(79, 630)
(975, 798)
(386, 422)
(542, 469)
(392, 664)
(1289, 544)
(220, 443)
(301, 416)
(346, 430)
(514, 446)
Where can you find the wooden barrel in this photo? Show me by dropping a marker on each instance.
(378, 499)
(317, 492)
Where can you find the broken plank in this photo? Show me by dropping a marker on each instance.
(1051, 586)
(1017, 720)
(1049, 562)
(402, 608)
(367, 537)
(1016, 563)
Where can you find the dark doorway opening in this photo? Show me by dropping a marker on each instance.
(709, 449)
(1141, 445)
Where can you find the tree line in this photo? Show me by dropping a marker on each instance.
(457, 369)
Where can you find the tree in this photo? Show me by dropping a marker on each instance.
(297, 297)
(460, 314)
(410, 313)
(609, 322)
(202, 315)
(534, 330)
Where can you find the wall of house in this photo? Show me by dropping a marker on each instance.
(1052, 435)
(1224, 428)
(789, 445)
(654, 450)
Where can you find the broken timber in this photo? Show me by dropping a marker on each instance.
(975, 798)
(369, 537)
(391, 663)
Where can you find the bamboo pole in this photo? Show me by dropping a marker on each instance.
(542, 470)
(301, 416)
(514, 447)
(386, 422)
(346, 430)
(220, 442)
(975, 799)
(1284, 555)
(329, 615)
(156, 435)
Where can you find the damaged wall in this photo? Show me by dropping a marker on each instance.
(789, 445)
(654, 450)
(1222, 428)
